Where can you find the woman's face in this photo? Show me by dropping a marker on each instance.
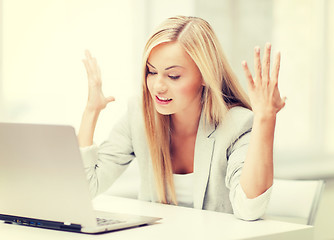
(173, 79)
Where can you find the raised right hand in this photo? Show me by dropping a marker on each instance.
(96, 99)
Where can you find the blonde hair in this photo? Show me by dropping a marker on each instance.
(221, 91)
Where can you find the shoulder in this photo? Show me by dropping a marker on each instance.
(135, 115)
(239, 111)
(129, 115)
(135, 102)
(239, 116)
(236, 122)
(134, 106)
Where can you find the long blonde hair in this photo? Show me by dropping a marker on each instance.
(221, 91)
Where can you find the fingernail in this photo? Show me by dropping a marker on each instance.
(257, 49)
(268, 44)
(244, 63)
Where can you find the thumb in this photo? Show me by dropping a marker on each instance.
(110, 99)
(283, 102)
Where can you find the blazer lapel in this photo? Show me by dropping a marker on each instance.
(202, 161)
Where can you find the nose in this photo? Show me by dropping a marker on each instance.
(160, 85)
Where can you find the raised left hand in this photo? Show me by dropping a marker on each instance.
(263, 89)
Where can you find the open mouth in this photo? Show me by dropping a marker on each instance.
(163, 100)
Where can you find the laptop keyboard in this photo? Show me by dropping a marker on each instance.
(103, 222)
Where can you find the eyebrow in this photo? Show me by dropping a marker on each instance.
(174, 66)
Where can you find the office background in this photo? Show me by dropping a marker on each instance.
(43, 79)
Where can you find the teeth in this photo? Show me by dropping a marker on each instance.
(163, 99)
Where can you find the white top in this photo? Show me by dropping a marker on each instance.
(184, 189)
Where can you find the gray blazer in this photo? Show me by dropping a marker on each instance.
(219, 156)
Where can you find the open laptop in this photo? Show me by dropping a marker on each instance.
(43, 182)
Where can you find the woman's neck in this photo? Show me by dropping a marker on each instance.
(186, 123)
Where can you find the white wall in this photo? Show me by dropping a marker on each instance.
(43, 44)
(44, 79)
(303, 32)
(1, 58)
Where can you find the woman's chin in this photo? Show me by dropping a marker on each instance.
(163, 111)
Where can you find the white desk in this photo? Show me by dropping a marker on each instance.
(177, 223)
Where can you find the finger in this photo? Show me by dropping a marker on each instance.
(87, 67)
(98, 72)
(110, 99)
(248, 74)
(89, 60)
(276, 67)
(96, 68)
(87, 54)
(283, 102)
(257, 66)
(266, 63)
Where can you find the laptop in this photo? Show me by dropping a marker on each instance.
(43, 182)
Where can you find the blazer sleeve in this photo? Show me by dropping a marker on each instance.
(105, 163)
(243, 207)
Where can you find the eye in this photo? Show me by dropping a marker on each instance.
(173, 77)
(151, 73)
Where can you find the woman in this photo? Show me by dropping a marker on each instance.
(198, 140)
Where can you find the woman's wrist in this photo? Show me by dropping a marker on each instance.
(264, 126)
(265, 117)
(91, 110)
(87, 127)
